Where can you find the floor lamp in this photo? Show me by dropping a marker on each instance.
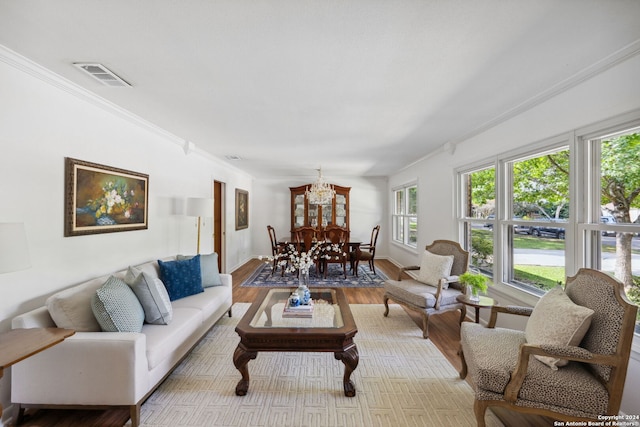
(201, 208)
(14, 252)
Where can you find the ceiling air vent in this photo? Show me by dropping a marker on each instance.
(102, 74)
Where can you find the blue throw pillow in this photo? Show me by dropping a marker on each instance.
(181, 278)
(208, 269)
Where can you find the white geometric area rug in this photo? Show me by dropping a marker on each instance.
(401, 380)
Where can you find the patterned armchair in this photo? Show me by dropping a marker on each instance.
(580, 340)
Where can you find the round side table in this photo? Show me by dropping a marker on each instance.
(484, 302)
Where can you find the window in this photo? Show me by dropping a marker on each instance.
(539, 195)
(524, 225)
(405, 215)
(479, 212)
(615, 209)
(532, 216)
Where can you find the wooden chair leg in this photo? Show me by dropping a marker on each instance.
(385, 299)
(479, 408)
(425, 326)
(463, 371)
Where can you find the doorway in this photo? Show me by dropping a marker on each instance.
(218, 222)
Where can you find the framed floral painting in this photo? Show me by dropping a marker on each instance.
(103, 199)
(242, 209)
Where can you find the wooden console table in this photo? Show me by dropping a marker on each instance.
(19, 344)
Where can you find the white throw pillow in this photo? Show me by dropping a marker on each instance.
(556, 320)
(154, 299)
(71, 308)
(434, 267)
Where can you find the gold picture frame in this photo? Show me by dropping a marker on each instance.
(242, 209)
(103, 199)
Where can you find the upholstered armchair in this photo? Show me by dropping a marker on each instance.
(569, 363)
(435, 287)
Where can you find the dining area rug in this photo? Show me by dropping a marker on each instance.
(366, 278)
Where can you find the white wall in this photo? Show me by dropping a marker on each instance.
(367, 208)
(41, 125)
(611, 93)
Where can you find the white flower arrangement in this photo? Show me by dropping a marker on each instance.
(291, 260)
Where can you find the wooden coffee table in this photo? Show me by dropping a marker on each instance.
(331, 329)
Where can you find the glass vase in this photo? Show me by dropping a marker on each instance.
(303, 287)
(474, 294)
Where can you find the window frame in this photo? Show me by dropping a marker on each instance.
(583, 227)
(504, 222)
(404, 217)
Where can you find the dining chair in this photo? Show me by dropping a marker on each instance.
(366, 252)
(338, 239)
(305, 239)
(276, 248)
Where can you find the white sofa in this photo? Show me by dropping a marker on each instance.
(95, 370)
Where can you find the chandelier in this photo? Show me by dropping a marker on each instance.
(320, 193)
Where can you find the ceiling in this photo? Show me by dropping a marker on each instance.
(358, 87)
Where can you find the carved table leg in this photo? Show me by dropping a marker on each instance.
(241, 358)
(350, 359)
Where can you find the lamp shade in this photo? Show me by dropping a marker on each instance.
(199, 207)
(14, 252)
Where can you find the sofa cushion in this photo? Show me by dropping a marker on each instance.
(434, 267)
(556, 320)
(117, 308)
(208, 301)
(71, 308)
(208, 269)
(412, 291)
(165, 341)
(154, 299)
(181, 277)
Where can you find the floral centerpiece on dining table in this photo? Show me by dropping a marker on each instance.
(292, 260)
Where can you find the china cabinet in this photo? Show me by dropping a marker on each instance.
(305, 214)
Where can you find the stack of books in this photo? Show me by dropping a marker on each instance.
(302, 310)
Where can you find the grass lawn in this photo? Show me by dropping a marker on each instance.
(540, 276)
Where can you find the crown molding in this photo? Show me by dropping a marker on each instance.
(616, 58)
(27, 66)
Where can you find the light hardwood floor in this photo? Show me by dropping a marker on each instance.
(443, 331)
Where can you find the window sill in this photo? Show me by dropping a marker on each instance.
(515, 296)
(406, 248)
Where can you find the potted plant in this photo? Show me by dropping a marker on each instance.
(476, 282)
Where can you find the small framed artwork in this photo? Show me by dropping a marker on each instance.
(103, 199)
(242, 209)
